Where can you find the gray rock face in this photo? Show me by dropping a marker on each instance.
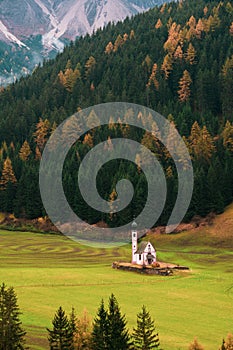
(31, 30)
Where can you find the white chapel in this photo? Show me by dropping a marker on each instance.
(144, 253)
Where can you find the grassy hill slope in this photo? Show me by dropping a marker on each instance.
(49, 270)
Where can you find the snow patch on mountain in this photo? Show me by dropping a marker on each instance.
(110, 11)
(50, 40)
(45, 25)
(10, 37)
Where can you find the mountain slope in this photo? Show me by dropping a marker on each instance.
(144, 60)
(43, 26)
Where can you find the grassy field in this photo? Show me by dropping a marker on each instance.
(50, 270)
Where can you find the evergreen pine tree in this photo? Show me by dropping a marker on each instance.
(11, 332)
(61, 336)
(117, 334)
(100, 329)
(145, 336)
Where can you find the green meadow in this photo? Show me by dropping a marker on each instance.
(49, 270)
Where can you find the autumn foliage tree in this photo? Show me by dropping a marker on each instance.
(152, 79)
(167, 65)
(25, 151)
(90, 65)
(8, 175)
(190, 54)
(195, 345)
(228, 343)
(42, 133)
(184, 91)
(82, 333)
(202, 143)
(69, 77)
(227, 135)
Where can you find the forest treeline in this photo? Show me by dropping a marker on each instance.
(107, 331)
(176, 59)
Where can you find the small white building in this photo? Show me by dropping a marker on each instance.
(144, 253)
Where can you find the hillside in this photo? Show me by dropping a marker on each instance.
(176, 59)
(215, 237)
(51, 270)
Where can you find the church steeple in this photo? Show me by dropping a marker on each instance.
(134, 241)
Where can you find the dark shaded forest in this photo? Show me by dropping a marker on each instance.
(176, 59)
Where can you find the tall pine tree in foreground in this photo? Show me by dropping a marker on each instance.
(61, 336)
(117, 335)
(145, 336)
(11, 332)
(100, 329)
(109, 328)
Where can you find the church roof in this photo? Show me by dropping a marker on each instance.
(142, 247)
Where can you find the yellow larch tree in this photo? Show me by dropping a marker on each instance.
(184, 87)
(88, 140)
(147, 63)
(108, 144)
(192, 27)
(231, 29)
(202, 143)
(227, 135)
(158, 24)
(109, 48)
(190, 54)
(82, 335)
(207, 144)
(111, 124)
(152, 79)
(90, 65)
(37, 153)
(173, 38)
(25, 151)
(151, 142)
(199, 28)
(118, 42)
(163, 8)
(138, 162)
(212, 22)
(178, 54)
(69, 77)
(8, 175)
(228, 66)
(228, 343)
(167, 65)
(195, 345)
(169, 172)
(41, 133)
(195, 137)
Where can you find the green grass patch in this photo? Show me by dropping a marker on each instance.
(50, 270)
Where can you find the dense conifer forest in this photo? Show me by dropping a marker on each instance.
(176, 59)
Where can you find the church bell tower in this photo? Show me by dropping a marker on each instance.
(134, 241)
